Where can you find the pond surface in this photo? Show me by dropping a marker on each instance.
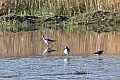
(91, 67)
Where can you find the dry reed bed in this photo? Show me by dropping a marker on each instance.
(70, 7)
(25, 44)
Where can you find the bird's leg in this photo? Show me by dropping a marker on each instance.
(99, 56)
(67, 55)
(52, 45)
(48, 45)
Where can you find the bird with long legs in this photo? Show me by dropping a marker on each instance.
(48, 41)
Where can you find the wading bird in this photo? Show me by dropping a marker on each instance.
(99, 52)
(48, 41)
(66, 50)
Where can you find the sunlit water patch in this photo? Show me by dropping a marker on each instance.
(61, 67)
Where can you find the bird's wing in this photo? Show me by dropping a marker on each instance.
(50, 40)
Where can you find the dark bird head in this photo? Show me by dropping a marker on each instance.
(42, 36)
(66, 47)
(101, 51)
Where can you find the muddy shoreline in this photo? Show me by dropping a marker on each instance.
(98, 21)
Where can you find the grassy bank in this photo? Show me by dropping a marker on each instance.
(71, 15)
(58, 7)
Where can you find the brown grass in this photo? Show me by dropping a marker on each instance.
(25, 44)
(70, 7)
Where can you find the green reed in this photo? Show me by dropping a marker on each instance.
(58, 7)
(69, 8)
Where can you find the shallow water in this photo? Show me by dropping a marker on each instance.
(24, 44)
(107, 67)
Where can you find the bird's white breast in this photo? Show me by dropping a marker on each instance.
(66, 51)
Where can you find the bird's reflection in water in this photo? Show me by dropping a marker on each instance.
(66, 61)
(47, 51)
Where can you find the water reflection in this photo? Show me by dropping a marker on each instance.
(66, 61)
(48, 50)
(99, 58)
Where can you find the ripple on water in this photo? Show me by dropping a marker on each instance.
(61, 67)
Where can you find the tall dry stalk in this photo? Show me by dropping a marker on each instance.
(65, 7)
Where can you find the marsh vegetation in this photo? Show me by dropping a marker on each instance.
(27, 15)
(58, 7)
(23, 22)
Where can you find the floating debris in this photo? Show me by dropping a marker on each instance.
(82, 72)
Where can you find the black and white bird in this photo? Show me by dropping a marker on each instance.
(48, 41)
(66, 50)
(47, 51)
(99, 52)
